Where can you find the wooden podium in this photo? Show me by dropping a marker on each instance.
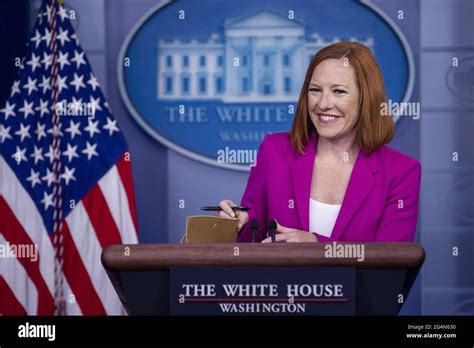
(140, 273)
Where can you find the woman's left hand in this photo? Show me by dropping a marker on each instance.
(291, 235)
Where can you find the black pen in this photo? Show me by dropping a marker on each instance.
(217, 208)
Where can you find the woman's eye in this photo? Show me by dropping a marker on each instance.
(314, 89)
(339, 91)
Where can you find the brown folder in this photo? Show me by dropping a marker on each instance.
(210, 229)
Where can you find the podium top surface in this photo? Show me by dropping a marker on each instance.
(149, 257)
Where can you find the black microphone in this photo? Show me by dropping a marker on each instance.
(272, 225)
(254, 228)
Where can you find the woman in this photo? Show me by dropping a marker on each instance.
(332, 175)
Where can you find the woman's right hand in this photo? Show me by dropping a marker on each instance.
(228, 213)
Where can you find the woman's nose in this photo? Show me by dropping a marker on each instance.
(325, 102)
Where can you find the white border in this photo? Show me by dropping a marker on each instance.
(203, 159)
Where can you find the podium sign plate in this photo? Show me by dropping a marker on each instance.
(262, 291)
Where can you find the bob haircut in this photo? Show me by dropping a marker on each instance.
(372, 129)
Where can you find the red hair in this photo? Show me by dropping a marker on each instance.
(372, 129)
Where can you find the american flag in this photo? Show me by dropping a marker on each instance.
(65, 180)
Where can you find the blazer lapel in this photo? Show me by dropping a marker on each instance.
(301, 174)
(360, 184)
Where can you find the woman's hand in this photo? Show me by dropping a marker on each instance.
(228, 213)
(291, 235)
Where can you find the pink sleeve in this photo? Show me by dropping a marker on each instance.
(255, 197)
(398, 221)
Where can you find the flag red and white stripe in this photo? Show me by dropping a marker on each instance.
(105, 216)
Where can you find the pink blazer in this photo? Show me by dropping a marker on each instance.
(380, 203)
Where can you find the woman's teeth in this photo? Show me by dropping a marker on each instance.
(326, 118)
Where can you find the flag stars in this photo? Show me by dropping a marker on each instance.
(43, 108)
(55, 130)
(71, 152)
(15, 88)
(37, 154)
(78, 59)
(68, 175)
(34, 62)
(74, 37)
(90, 150)
(40, 17)
(77, 82)
(52, 154)
(92, 127)
(62, 13)
(62, 36)
(61, 83)
(8, 110)
(47, 61)
(111, 126)
(95, 104)
(45, 83)
(30, 85)
(47, 37)
(49, 177)
(36, 39)
(34, 178)
(19, 155)
(73, 129)
(76, 105)
(27, 108)
(23, 132)
(93, 82)
(47, 200)
(47, 13)
(4, 133)
(40, 131)
(76, 85)
(62, 60)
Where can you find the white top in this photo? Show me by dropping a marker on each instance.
(322, 217)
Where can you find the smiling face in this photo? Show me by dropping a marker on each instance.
(333, 99)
